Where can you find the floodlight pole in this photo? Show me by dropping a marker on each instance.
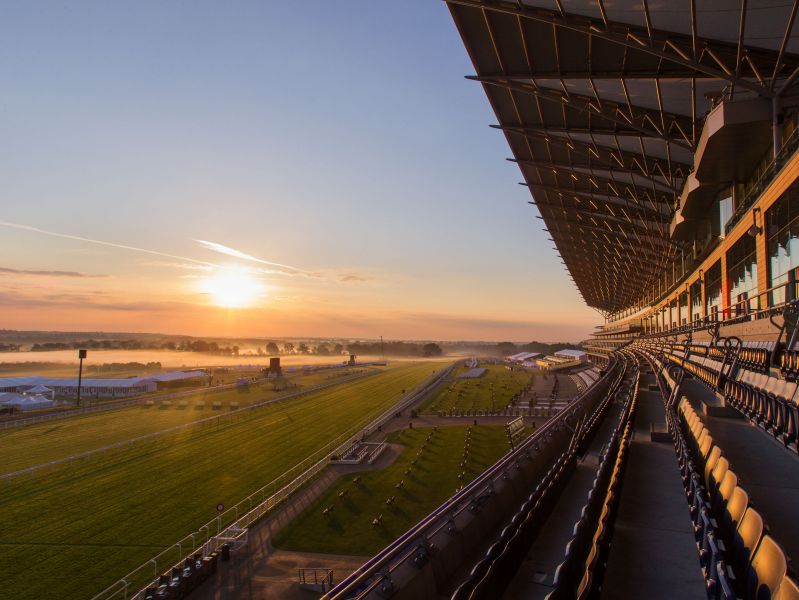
(81, 356)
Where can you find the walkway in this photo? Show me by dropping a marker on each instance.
(765, 468)
(534, 579)
(261, 571)
(653, 554)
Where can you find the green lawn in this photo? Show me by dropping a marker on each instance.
(348, 528)
(37, 444)
(475, 394)
(72, 531)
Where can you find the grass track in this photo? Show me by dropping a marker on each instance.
(36, 444)
(349, 530)
(79, 528)
(475, 394)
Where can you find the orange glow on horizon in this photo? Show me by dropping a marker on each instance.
(232, 288)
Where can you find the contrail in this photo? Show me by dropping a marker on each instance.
(286, 269)
(227, 250)
(78, 238)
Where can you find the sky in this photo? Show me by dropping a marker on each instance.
(263, 169)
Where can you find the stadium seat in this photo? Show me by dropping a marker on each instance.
(726, 489)
(746, 539)
(714, 477)
(734, 511)
(788, 590)
(767, 570)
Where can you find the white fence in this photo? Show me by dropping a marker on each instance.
(255, 506)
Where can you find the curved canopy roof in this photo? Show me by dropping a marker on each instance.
(602, 104)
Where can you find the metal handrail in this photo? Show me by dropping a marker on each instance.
(399, 548)
(254, 512)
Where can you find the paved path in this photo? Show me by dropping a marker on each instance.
(653, 554)
(262, 571)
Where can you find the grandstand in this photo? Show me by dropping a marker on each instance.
(659, 143)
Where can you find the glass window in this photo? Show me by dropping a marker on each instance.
(713, 290)
(725, 213)
(782, 229)
(742, 274)
(696, 301)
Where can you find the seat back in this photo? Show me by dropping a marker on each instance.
(788, 590)
(767, 570)
(749, 532)
(736, 507)
(715, 476)
(727, 487)
(710, 462)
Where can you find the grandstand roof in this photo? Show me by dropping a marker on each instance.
(602, 104)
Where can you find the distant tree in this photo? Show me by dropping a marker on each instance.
(234, 350)
(303, 348)
(338, 349)
(322, 350)
(271, 348)
(432, 349)
(288, 348)
(506, 348)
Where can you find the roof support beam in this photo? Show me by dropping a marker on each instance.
(635, 119)
(668, 46)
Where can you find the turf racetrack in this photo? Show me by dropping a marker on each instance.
(40, 443)
(73, 531)
(348, 528)
(475, 394)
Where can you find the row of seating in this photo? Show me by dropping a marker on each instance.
(491, 575)
(738, 558)
(184, 579)
(768, 401)
(591, 582)
(580, 573)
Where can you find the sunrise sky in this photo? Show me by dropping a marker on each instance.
(263, 169)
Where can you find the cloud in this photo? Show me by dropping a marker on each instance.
(353, 278)
(84, 301)
(10, 271)
(276, 267)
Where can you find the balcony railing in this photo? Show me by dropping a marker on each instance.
(761, 183)
(749, 308)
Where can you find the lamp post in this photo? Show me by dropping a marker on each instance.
(81, 356)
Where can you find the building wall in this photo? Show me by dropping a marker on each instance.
(658, 315)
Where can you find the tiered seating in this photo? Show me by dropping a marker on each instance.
(755, 356)
(490, 575)
(789, 364)
(739, 559)
(748, 383)
(580, 573)
(768, 402)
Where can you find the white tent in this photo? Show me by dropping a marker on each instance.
(34, 403)
(21, 402)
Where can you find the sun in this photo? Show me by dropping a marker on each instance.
(232, 288)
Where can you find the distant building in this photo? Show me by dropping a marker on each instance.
(572, 355)
(99, 388)
(562, 359)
